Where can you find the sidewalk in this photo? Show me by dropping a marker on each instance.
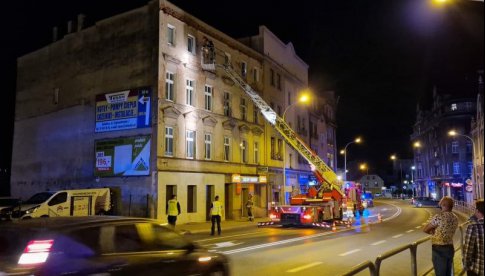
(205, 227)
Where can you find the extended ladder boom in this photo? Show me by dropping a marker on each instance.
(323, 172)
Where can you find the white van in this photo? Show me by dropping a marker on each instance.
(84, 202)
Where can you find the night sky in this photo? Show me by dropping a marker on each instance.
(380, 57)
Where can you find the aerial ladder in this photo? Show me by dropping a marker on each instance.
(312, 205)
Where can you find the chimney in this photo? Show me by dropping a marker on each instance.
(69, 26)
(54, 34)
(80, 21)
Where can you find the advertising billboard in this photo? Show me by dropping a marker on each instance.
(121, 110)
(128, 156)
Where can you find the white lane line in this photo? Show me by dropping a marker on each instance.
(303, 267)
(379, 242)
(397, 236)
(417, 227)
(349, 252)
(409, 231)
(225, 237)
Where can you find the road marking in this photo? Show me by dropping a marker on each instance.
(379, 242)
(303, 267)
(226, 244)
(349, 252)
(225, 237)
(397, 236)
(417, 227)
(409, 231)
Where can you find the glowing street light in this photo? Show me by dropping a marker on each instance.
(344, 152)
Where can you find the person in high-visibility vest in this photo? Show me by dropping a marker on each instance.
(173, 210)
(216, 215)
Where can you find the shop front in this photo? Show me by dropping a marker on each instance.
(238, 189)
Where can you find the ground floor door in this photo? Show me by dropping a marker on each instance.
(209, 197)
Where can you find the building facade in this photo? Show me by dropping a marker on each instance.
(126, 104)
(372, 183)
(443, 163)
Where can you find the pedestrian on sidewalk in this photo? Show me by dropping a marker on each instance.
(473, 243)
(249, 207)
(216, 215)
(173, 210)
(442, 227)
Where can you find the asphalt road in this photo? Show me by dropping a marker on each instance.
(307, 251)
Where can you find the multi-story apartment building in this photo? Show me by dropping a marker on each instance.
(372, 183)
(478, 139)
(443, 163)
(126, 104)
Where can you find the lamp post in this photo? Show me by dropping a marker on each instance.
(453, 133)
(394, 158)
(304, 98)
(344, 152)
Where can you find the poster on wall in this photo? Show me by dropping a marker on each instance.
(121, 110)
(129, 156)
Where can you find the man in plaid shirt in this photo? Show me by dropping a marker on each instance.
(473, 244)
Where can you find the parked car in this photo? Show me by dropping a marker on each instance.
(6, 206)
(425, 202)
(102, 245)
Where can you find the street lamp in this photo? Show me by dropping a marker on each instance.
(344, 152)
(394, 158)
(453, 133)
(303, 98)
(363, 167)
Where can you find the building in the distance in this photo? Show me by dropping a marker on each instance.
(443, 163)
(372, 183)
(126, 104)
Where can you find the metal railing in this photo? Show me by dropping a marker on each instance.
(374, 267)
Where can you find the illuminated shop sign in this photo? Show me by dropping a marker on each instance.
(123, 110)
(128, 156)
(237, 178)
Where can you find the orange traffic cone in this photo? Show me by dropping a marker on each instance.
(379, 217)
(334, 228)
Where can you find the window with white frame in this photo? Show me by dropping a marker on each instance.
(169, 86)
(189, 92)
(227, 148)
(208, 90)
(208, 146)
(168, 141)
(190, 143)
(456, 168)
(191, 44)
(244, 151)
(454, 147)
(256, 152)
(244, 69)
(227, 104)
(244, 115)
(171, 35)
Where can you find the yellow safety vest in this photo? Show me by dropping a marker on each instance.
(172, 208)
(216, 208)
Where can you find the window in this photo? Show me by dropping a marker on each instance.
(227, 104)
(255, 75)
(126, 239)
(168, 141)
(171, 35)
(271, 77)
(227, 58)
(227, 148)
(278, 81)
(255, 114)
(169, 81)
(58, 199)
(244, 69)
(454, 147)
(191, 44)
(272, 148)
(192, 199)
(189, 92)
(190, 143)
(280, 149)
(289, 98)
(243, 109)
(244, 151)
(256, 152)
(469, 147)
(454, 107)
(208, 97)
(456, 168)
(470, 168)
(208, 146)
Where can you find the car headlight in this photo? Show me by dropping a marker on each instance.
(32, 210)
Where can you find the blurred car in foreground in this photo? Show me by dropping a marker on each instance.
(101, 245)
(7, 204)
(425, 202)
